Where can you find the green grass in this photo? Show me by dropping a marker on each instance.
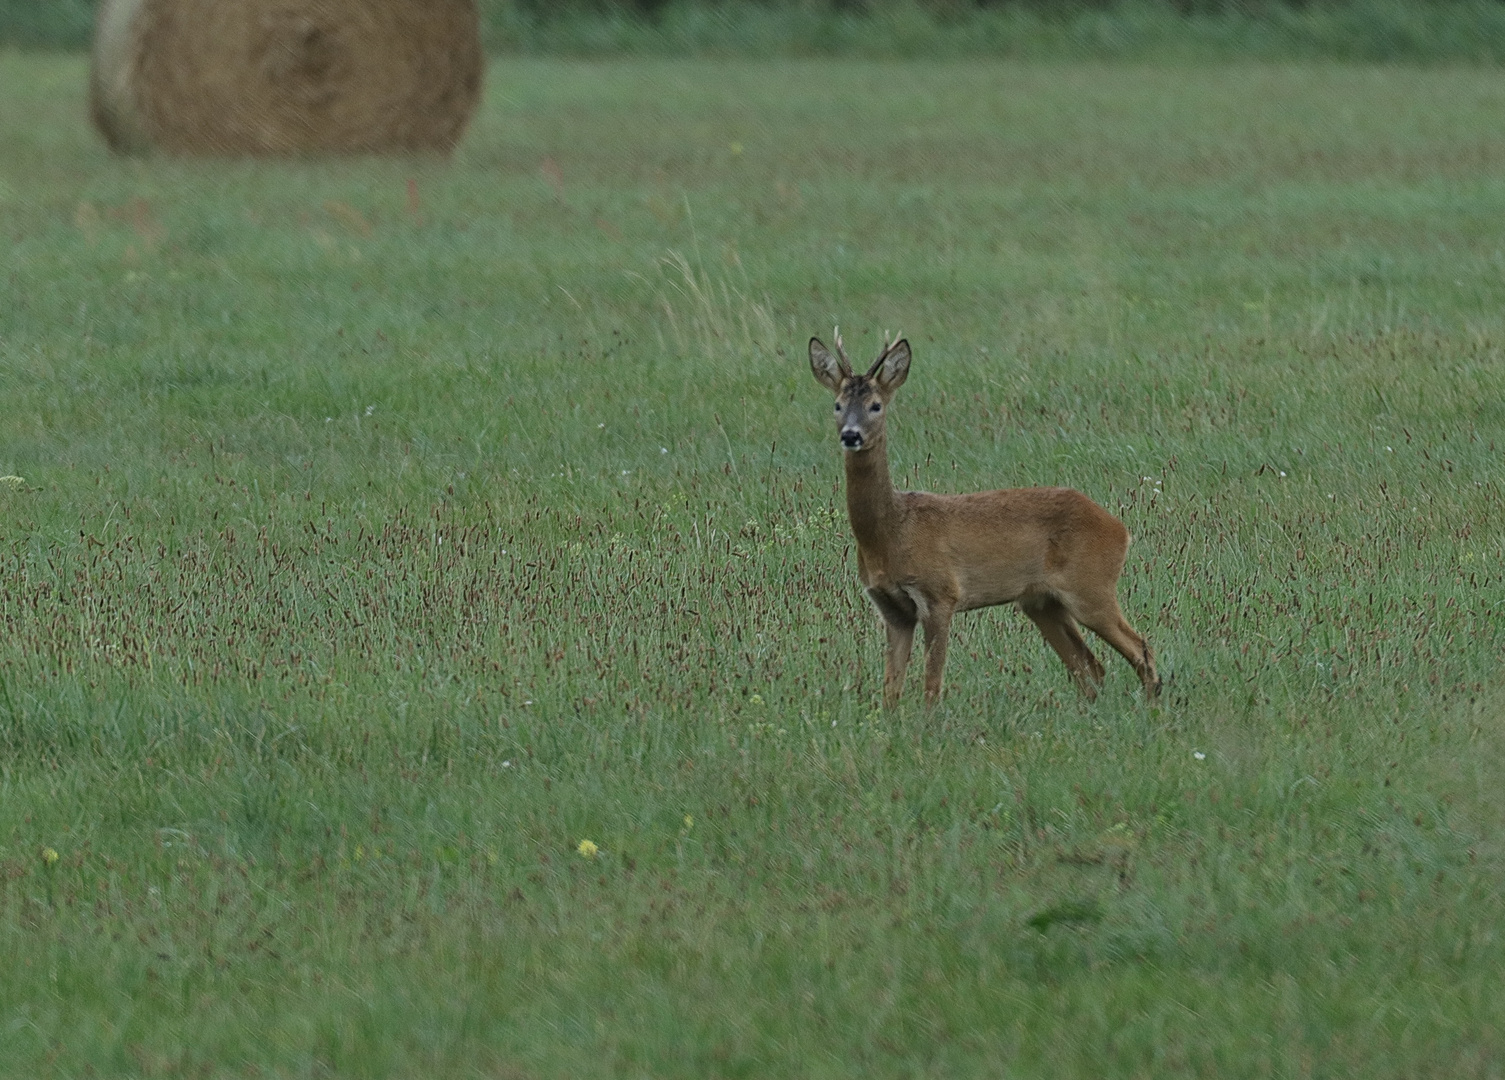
(388, 528)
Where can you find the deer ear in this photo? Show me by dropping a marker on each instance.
(825, 367)
(892, 367)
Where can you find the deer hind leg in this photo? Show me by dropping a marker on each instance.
(1059, 630)
(1106, 621)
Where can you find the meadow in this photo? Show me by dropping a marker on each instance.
(379, 531)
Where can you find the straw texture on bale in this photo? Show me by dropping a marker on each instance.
(252, 77)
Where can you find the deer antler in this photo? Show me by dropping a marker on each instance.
(888, 343)
(841, 353)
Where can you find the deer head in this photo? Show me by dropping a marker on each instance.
(861, 400)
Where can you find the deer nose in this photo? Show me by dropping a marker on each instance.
(851, 438)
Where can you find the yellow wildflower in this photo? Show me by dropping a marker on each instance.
(49, 856)
(588, 849)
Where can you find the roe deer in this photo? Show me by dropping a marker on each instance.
(923, 557)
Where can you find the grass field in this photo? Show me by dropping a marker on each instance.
(385, 530)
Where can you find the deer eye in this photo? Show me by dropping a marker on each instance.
(875, 407)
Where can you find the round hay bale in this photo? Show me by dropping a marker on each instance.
(258, 77)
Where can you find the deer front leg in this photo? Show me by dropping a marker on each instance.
(899, 624)
(896, 660)
(937, 620)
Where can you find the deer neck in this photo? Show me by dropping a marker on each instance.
(872, 503)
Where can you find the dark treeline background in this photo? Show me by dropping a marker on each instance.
(1358, 30)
